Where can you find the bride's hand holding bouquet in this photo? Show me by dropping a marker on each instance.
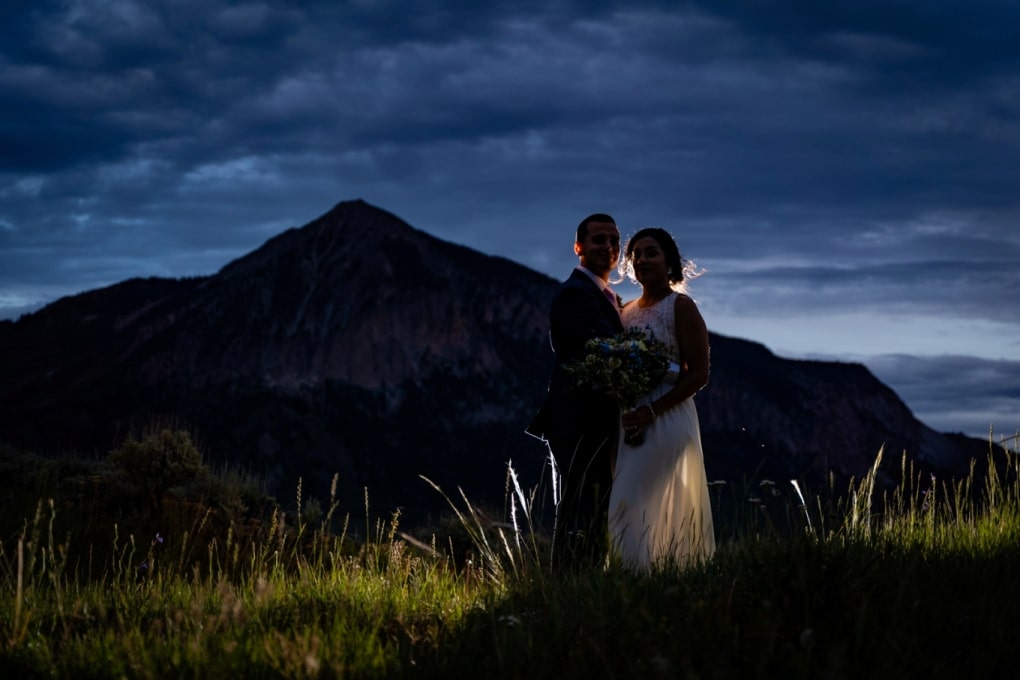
(625, 367)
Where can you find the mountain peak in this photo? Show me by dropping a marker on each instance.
(349, 229)
(359, 296)
(363, 216)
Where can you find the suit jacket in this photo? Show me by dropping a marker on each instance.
(580, 311)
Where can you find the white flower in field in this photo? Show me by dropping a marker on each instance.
(312, 664)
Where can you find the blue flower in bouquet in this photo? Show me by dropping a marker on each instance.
(625, 366)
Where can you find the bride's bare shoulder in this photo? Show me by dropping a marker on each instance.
(685, 306)
(684, 300)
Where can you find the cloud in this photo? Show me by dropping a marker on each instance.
(956, 393)
(907, 46)
(961, 289)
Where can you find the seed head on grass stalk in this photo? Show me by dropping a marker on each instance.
(860, 515)
(474, 528)
(526, 504)
(500, 559)
(803, 505)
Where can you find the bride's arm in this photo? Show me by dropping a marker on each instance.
(692, 336)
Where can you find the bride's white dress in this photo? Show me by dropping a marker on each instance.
(659, 504)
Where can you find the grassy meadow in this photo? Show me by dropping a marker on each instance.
(149, 565)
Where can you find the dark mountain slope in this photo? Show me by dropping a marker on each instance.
(361, 346)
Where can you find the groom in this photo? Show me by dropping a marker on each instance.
(581, 426)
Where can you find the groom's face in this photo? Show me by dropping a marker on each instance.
(600, 250)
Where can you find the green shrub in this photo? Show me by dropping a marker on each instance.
(158, 462)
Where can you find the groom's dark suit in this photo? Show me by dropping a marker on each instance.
(581, 426)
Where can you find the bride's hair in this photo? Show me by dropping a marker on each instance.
(679, 269)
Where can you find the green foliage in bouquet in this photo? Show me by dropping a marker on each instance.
(625, 366)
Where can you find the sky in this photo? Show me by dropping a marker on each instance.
(845, 173)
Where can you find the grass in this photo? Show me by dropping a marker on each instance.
(909, 582)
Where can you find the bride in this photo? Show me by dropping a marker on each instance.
(659, 505)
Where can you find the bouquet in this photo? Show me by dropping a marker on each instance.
(625, 366)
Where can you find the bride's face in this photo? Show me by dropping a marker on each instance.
(649, 261)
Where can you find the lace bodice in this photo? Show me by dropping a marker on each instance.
(660, 317)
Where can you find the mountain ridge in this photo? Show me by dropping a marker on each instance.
(360, 345)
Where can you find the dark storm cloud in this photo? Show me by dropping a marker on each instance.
(91, 80)
(937, 43)
(776, 135)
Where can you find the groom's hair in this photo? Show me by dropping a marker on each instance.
(582, 228)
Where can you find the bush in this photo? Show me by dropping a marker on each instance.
(158, 462)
